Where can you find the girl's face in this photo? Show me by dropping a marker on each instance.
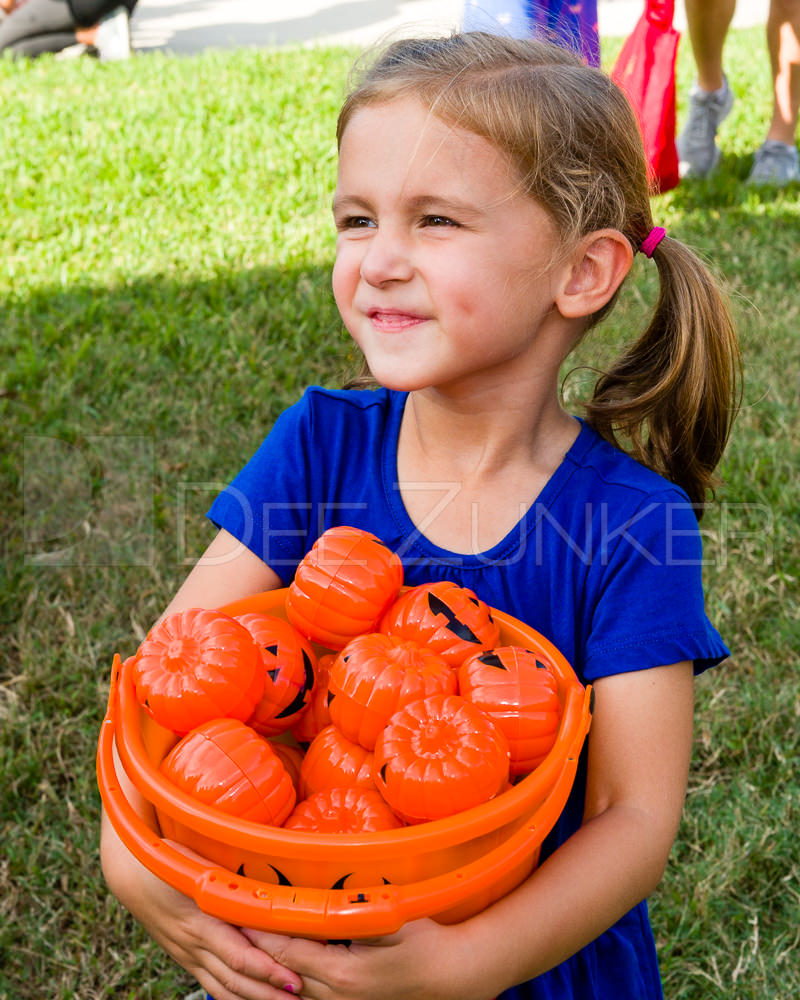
(443, 267)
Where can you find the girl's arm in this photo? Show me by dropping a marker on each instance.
(226, 571)
(219, 956)
(638, 759)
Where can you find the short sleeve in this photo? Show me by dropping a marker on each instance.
(319, 466)
(266, 505)
(650, 608)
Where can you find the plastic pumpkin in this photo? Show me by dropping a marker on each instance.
(334, 761)
(343, 586)
(290, 665)
(343, 810)
(518, 690)
(439, 756)
(292, 759)
(445, 617)
(198, 665)
(227, 764)
(317, 716)
(374, 676)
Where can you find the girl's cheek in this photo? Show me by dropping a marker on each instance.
(344, 279)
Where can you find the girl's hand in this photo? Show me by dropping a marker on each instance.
(219, 956)
(424, 960)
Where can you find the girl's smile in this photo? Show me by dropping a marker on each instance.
(444, 268)
(388, 320)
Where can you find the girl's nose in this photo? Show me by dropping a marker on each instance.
(386, 257)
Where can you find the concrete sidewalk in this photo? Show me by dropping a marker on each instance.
(186, 26)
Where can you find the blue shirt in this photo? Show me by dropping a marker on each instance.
(606, 563)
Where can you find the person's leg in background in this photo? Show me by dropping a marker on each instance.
(39, 45)
(708, 22)
(710, 99)
(776, 161)
(35, 18)
(34, 27)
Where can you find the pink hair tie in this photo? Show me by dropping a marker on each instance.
(651, 241)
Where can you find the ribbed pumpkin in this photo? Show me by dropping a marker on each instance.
(447, 618)
(439, 756)
(334, 761)
(290, 665)
(227, 764)
(317, 716)
(343, 586)
(197, 665)
(292, 759)
(377, 674)
(343, 810)
(518, 690)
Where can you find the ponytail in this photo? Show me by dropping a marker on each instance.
(670, 400)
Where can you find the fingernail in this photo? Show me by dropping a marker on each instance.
(289, 988)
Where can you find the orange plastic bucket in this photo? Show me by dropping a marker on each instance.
(342, 886)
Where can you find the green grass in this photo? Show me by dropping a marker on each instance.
(166, 251)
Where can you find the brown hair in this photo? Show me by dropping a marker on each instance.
(574, 140)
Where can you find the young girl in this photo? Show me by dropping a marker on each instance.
(491, 196)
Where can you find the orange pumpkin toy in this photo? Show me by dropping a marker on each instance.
(343, 810)
(439, 756)
(226, 764)
(343, 586)
(290, 666)
(292, 759)
(374, 676)
(518, 690)
(317, 716)
(445, 617)
(334, 761)
(198, 665)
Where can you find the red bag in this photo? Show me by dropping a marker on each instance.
(645, 70)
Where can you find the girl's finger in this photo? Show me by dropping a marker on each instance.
(242, 971)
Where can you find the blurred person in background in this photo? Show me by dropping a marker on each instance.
(569, 23)
(776, 161)
(97, 27)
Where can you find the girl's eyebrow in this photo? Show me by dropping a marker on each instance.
(419, 203)
(442, 204)
(349, 201)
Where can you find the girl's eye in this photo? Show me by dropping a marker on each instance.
(438, 220)
(355, 222)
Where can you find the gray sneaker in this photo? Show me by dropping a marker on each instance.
(697, 149)
(776, 164)
(113, 39)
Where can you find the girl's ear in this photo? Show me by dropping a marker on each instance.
(594, 272)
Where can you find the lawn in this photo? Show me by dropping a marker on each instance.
(166, 249)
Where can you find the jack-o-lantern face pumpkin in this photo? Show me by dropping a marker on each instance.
(377, 674)
(290, 665)
(334, 761)
(343, 810)
(439, 756)
(226, 764)
(517, 689)
(445, 617)
(343, 586)
(198, 665)
(317, 716)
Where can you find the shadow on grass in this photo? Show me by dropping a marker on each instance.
(112, 398)
(727, 188)
(747, 234)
